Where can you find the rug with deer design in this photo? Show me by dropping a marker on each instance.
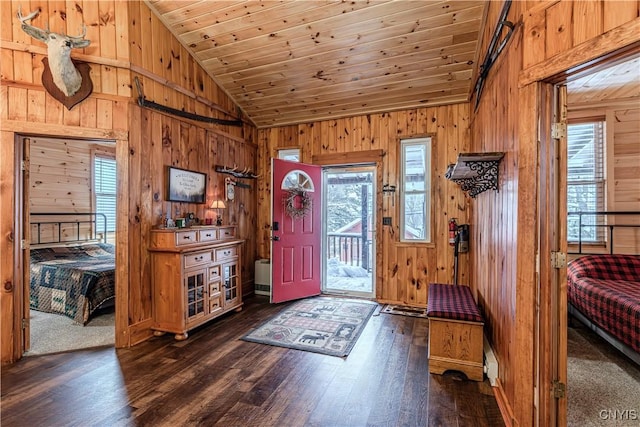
(320, 324)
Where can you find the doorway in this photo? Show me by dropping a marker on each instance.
(603, 129)
(555, 361)
(69, 196)
(348, 233)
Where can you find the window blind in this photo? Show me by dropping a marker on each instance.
(105, 189)
(585, 180)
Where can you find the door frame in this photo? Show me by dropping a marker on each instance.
(365, 157)
(350, 168)
(21, 220)
(550, 336)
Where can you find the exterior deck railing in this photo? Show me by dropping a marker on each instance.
(350, 249)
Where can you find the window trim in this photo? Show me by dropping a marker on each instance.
(284, 152)
(104, 154)
(427, 142)
(602, 202)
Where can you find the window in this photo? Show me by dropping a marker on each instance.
(415, 200)
(291, 154)
(104, 185)
(585, 181)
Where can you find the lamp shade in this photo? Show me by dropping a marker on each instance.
(218, 204)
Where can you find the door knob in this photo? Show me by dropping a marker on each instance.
(275, 238)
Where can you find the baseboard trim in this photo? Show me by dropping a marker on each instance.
(503, 404)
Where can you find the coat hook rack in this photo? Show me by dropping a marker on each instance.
(244, 173)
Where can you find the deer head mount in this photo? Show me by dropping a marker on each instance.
(72, 84)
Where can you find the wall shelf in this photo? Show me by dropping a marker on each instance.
(475, 172)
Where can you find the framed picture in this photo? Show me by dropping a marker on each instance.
(186, 186)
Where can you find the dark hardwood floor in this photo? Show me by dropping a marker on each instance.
(214, 378)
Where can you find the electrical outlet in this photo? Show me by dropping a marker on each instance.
(386, 220)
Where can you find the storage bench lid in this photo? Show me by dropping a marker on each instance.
(452, 302)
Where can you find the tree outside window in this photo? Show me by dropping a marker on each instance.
(585, 181)
(415, 200)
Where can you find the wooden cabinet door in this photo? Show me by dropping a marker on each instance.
(195, 287)
(230, 283)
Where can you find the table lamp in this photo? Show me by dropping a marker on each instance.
(217, 205)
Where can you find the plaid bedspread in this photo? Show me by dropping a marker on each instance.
(74, 281)
(606, 289)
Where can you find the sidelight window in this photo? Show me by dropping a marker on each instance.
(415, 191)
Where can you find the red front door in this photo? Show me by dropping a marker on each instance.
(295, 242)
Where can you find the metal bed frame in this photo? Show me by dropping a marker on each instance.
(609, 227)
(96, 220)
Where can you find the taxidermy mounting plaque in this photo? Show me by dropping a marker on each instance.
(68, 101)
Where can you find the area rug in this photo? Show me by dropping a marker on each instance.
(404, 310)
(602, 384)
(55, 333)
(320, 325)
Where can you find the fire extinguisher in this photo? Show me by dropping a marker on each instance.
(453, 227)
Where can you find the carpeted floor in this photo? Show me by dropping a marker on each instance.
(603, 386)
(321, 325)
(53, 333)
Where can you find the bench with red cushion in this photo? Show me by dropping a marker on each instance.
(452, 302)
(455, 331)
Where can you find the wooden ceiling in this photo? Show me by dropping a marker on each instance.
(616, 82)
(286, 62)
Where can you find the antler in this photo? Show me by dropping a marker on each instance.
(28, 17)
(80, 37)
(35, 32)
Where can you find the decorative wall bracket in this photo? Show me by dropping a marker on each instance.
(475, 172)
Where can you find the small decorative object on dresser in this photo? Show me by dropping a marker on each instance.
(195, 277)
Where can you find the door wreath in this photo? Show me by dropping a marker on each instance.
(297, 202)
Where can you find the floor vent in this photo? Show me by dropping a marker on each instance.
(490, 363)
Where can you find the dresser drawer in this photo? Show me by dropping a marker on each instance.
(227, 233)
(186, 238)
(224, 253)
(214, 288)
(214, 273)
(196, 259)
(215, 304)
(207, 235)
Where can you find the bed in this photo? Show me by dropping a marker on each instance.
(603, 292)
(72, 268)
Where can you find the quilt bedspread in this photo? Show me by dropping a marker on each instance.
(612, 304)
(74, 281)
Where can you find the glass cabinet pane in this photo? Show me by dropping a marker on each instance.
(195, 293)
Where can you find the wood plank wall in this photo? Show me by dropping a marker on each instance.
(60, 180)
(404, 270)
(125, 37)
(504, 223)
(170, 76)
(495, 231)
(26, 109)
(156, 141)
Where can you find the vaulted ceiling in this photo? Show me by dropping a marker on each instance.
(286, 62)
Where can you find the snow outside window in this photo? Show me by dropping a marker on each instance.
(585, 181)
(415, 190)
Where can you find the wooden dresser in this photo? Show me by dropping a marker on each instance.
(195, 277)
